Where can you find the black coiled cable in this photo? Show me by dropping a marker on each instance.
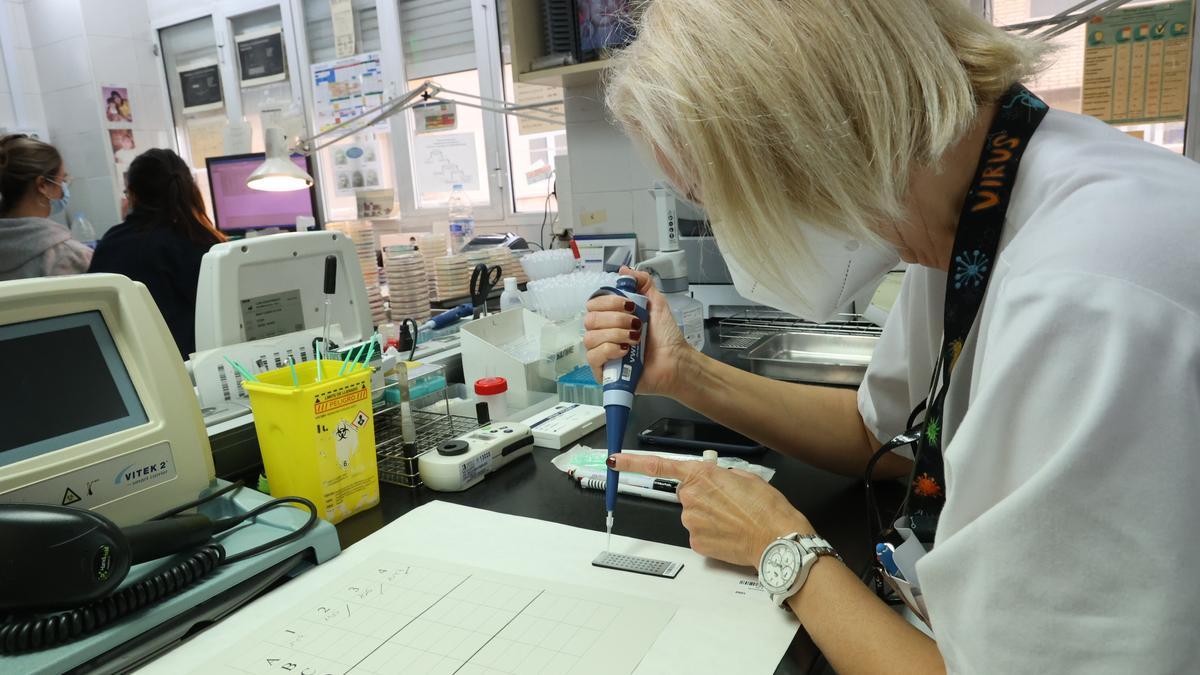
(37, 633)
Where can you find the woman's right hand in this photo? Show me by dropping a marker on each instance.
(612, 328)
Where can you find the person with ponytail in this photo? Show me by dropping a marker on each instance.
(165, 235)
(33, 187)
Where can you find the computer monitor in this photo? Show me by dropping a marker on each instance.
(238, 209)
(98, 409)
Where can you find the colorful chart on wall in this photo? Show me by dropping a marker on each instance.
(1137, 64)
(346, 88)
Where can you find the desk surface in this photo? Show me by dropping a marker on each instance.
(533, 487)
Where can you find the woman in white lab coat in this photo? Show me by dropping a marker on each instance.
(1054, 484)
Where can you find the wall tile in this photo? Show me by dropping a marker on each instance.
(147, 106)
(86, 154)
(643, 172)
(149, 67)
(8, 117)
(645, 219)
(53, 20)
(171, 9)
(30, 81)
(63, 64)
(73, 110)
(20, 26)
(35, 110)
(114, 18)
(585, 104)
(600, 157)
(617, 206)
(96, 198)
(113, 61)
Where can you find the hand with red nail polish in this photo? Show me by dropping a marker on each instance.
(612, 329)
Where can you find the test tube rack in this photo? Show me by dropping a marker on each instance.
(434, 425)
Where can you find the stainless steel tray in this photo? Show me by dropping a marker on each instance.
(812, 358)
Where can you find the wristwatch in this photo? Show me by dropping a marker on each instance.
(785, 563)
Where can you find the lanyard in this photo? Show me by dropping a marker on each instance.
(973, 258)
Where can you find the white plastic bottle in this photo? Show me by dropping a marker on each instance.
(689, 314)
(462, 220)
(511, 298)
(82, 230)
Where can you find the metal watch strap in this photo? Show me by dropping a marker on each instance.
(817, 545)
(809, 543)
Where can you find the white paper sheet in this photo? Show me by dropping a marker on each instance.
(398, 613)
(342, 15)
(445, 160)
(724, 623)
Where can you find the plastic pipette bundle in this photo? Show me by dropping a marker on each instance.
(408, 285)
(565, 296)
(545, 264)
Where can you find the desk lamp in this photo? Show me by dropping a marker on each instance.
(278, 173)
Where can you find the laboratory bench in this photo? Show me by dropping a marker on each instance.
(533, 487)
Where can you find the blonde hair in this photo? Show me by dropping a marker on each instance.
(782, 112)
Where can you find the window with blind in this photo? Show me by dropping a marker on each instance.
(439, 37)
(318, 27)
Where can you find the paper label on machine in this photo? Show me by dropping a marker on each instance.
(476, 469)
(102, 483)
(268, 316)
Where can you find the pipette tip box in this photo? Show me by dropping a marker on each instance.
(564, 424)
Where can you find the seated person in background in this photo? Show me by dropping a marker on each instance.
(163, 238)
(33, 186)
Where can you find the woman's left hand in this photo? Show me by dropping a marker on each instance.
(731, 514)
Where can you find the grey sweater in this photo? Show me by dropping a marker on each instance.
(39, 247)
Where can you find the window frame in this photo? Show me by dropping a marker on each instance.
(499, 214)
(222, 14)
(1191, 133)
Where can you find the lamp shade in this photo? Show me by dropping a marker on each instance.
(278, 173)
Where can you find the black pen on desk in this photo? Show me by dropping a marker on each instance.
(631, 479)
(663, 491)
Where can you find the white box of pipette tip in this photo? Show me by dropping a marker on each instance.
(564, 424)
(508, 345)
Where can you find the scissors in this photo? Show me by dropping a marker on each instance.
(483, 280)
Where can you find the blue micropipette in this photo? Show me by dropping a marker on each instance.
(448, 317)
(620, 380)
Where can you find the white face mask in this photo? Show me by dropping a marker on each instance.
(843, 268)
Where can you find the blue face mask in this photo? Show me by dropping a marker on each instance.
(59, 205)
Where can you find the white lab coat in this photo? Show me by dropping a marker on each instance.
(1073, 479)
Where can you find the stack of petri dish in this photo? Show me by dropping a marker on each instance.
(362, 233)
(432, 246)
(452, 275)
(504, 257)
(408, 285)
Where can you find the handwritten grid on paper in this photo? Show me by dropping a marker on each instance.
(396, 618)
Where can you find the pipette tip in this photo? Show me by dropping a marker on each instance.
(608, 525)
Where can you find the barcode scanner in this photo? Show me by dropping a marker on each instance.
(67, 557)
(61, 568)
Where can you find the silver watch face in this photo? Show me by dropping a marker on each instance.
(780, 566)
